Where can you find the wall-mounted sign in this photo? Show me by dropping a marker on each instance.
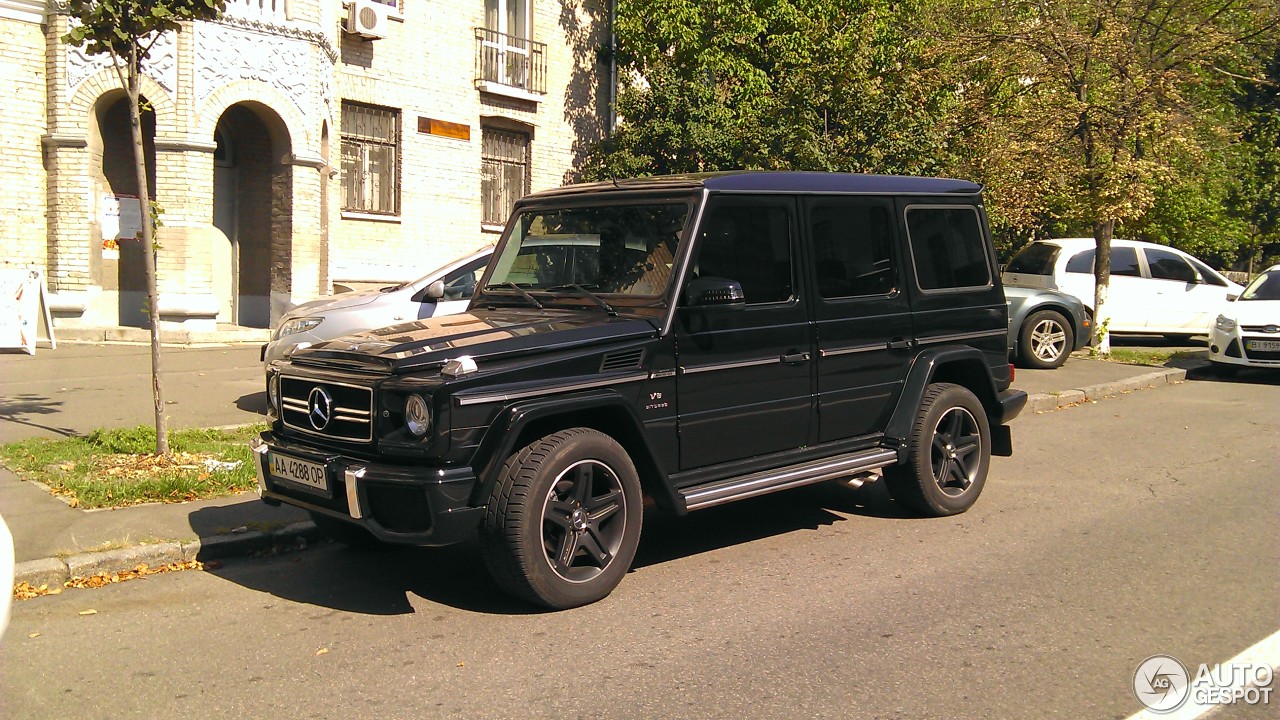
(443, 128)
(23, 306)
(121, 219)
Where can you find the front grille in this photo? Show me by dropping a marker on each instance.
(1259, 328)
(1271, 355)
(327, 409)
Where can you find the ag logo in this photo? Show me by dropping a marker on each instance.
(1161, 683)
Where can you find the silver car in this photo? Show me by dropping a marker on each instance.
(444, 291)
(1045, 326)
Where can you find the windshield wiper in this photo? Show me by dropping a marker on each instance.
(599, 301)
(532, 300)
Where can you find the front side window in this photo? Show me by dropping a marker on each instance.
(853, 247)
(748, 242)
(1169, 266)
(370, 159)
(614, 250)
(504, 172)
(948, 248)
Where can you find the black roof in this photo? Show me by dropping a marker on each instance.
(766, 181)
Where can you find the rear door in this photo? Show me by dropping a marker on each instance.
(746, 373)
(863, 320)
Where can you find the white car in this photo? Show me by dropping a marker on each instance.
(1247, 332)
(444, 291)
(1154, 289)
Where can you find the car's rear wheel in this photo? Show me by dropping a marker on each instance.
(563, 521)
(948, 453)
(1045, 341)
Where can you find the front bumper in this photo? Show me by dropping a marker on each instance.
(1232, 348)
(412, 505)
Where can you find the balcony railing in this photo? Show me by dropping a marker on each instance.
(511, 61)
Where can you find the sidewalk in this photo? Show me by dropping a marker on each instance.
(54, 541)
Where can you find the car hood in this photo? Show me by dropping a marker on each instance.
(343, 301)
(1254, 312)
(481, 334)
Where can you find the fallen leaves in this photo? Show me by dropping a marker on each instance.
(26, 591)
(90, 611)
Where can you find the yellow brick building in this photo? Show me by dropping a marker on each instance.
(294, 146)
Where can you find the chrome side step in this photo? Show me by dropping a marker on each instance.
(761, 483)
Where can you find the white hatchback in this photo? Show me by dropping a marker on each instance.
(1247, 332)
(1154, 289)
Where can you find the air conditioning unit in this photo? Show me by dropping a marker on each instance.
(367, 18)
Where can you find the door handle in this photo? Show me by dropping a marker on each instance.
(900, 344)
(795, 358)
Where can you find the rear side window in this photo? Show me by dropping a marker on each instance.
(948, 248)
(1034, 259)
(853, 247)
(1168, 266)
(1124, 261)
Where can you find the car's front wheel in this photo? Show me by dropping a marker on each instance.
(1045, 341)
(563, 520)
(948, 453)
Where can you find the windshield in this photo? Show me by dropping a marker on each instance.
(1264, 287)
(615, 250)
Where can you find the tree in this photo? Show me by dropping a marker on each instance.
(1095, 104)
(1255, 196)
(771, 84)
(126, 31)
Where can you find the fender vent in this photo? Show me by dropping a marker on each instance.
(623, 360)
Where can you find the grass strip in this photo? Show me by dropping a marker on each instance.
(116, 468)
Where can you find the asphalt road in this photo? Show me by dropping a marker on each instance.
(81, 387)
(1139, 525)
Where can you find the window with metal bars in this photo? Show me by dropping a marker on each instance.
(504, 172)
(370, 159)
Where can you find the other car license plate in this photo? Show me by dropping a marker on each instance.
(1263, 345)
(303, 472)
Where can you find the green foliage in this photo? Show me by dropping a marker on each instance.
(121, 27)
(769, 84)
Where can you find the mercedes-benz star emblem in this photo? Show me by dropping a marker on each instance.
(319, 408)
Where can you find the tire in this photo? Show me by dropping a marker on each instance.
(563, 521)
(1045, 340)
(948, 454)
(345, 533)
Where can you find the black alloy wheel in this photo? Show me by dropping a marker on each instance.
(563, 520)
(948, 453)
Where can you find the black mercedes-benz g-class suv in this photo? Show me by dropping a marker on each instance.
(692, 340)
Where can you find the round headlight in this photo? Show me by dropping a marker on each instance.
(273, 391)
(417, 415)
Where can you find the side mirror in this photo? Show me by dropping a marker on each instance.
(714, 292)
(434, 291)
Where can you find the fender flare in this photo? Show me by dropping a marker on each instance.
(603, 410)
(961, 364)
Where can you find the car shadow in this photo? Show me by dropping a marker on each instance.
(1204, 372)
(253, 402)
(383, 580)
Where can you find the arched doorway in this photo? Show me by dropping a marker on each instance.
(252, 206)
(122, 265)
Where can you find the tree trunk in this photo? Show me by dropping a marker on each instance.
(1102, 232)
(148, 250)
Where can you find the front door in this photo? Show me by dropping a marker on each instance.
(745, 373)
(224, 253)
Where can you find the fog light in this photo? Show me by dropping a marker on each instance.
(273, 391)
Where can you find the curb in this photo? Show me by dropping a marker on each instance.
(57, 571)
(1044, 402)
